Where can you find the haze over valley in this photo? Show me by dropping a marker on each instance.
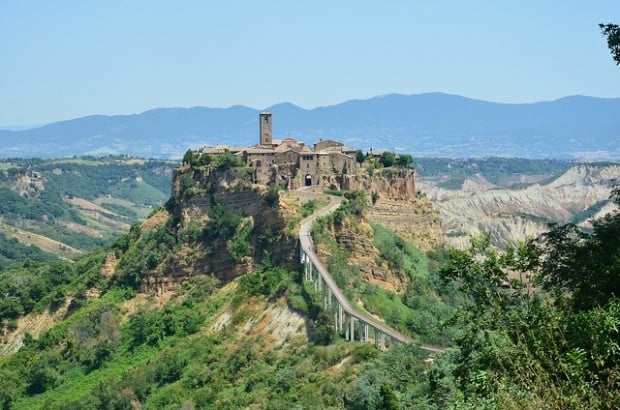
(425, 125)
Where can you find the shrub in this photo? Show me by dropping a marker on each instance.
(239, 246)
(272, 195)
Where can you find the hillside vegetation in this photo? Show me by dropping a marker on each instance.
(261, 340)
(64, 207)
(200, 307)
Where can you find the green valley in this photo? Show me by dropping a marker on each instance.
(65, 207)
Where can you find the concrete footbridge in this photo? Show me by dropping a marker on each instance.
(347, 320)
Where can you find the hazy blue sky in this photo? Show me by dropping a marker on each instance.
(66, 59)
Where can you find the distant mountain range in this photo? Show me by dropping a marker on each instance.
(433, 124)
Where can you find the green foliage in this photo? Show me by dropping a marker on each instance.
(187, 185)
(360, 157)
(354, 204)
(495, 170)
(199, 288)
(272, 195)
(36, 286)
(197, 159)
(581, 267)
(334, 192)
(374, 197)
(399, 254)
(188, 157)
(152, 327)
(390, 171)
(93, 339)
(388, 159)
(521, 344)
(395, 379)
(308, 208)
(612, 33)
(13, 252)
(239, 246)
(227, 160)
(404, 160)
(141, 257)
(222, 223)
(266, 280)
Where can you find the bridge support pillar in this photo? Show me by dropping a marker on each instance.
(335, 308)
(360, 330)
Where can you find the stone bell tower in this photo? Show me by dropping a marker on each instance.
(265, 128)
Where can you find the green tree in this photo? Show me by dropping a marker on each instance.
(188, 157)
(404, 160)
(387, 159)
(582, 268)
(360, 156)
(612, 32)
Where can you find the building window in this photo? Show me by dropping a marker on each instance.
(266, 119)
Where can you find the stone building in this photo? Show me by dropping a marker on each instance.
(291, 163)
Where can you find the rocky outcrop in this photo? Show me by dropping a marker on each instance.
(414, 219)
(394, 203)
(195, 191)
(391, 183)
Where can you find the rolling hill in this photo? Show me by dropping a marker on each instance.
(433, 124)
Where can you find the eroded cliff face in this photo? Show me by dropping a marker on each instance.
(511, 215)
(392, 202)
(357, 239)
(395, 184)
(414, 220)
(195, 192)
(395, 204)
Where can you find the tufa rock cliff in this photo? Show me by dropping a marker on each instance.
(221, 225)
(217, 222)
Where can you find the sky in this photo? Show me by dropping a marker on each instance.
(66, 59)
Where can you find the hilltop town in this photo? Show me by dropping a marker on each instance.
(290, 163)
